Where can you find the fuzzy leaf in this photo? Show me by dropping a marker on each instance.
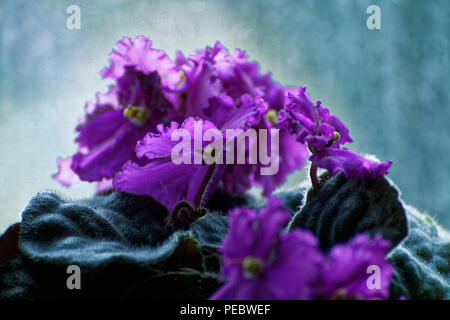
(293, 198)
(15, 280)
(210, 229)
(342, 208)
(117, 228)
(118, 241)
(421, 261)
(9, 243)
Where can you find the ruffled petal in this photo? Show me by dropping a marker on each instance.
(65, 174)
(351, 164)
(162, 180)
(346, 274)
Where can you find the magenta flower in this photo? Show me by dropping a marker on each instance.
(349, 163)
(313, 122)
(324, 134)
(291, 153)
(347, 271)
(140, 54)
(152, 175)
(260, 263)
(214, 71)
(217, 80)
(65, 175)
(150, 89)
(159, 177)
(145, 83)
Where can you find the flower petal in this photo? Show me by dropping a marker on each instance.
(351, 164)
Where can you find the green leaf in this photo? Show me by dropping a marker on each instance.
(293, 198)
(118, 241)
(421, 261)
(120, 228)
(209, 231)
(342, 208)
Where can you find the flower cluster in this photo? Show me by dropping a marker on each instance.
(324, 134)
(259, 261)
(126, 143)
(124, 136)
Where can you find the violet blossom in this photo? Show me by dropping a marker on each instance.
(140, 98)
(214, 71)
(261, 261)
(215, 81)
(349, 266)
(159, 177)
(156, 174)
(150, 89)
(324, 134)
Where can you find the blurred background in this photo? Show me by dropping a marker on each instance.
(390, 86)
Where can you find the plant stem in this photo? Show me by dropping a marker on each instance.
(204, 186)
(313, 176)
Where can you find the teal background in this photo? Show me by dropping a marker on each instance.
(390, 86)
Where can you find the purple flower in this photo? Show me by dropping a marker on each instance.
(347, 272)
(291, 153)
(260, 263)
(159, 177)
(214, 71)
(145, 84)
(149, 89)
(140, 54)
(65, 175)
(324, 134)
(349, 163)
(216, 81)
(313, 122)
(152, 175)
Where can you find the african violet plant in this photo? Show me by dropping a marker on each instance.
(176, 219)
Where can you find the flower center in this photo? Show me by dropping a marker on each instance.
(272, 116)
(336, 138)
(182, 79)
(137, 115)
(253, 267)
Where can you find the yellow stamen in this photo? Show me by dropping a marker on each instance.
(182, 79)
(272, 116)
(336, 136)
(253, 267)
(137, 115)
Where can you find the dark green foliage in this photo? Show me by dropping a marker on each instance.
(421, 262)
(117, 241)
(122, 245)
(210, 230)
(342, 208)
(293, 198)
(116, 228)
(15, 280)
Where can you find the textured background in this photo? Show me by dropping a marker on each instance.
(389, 86)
